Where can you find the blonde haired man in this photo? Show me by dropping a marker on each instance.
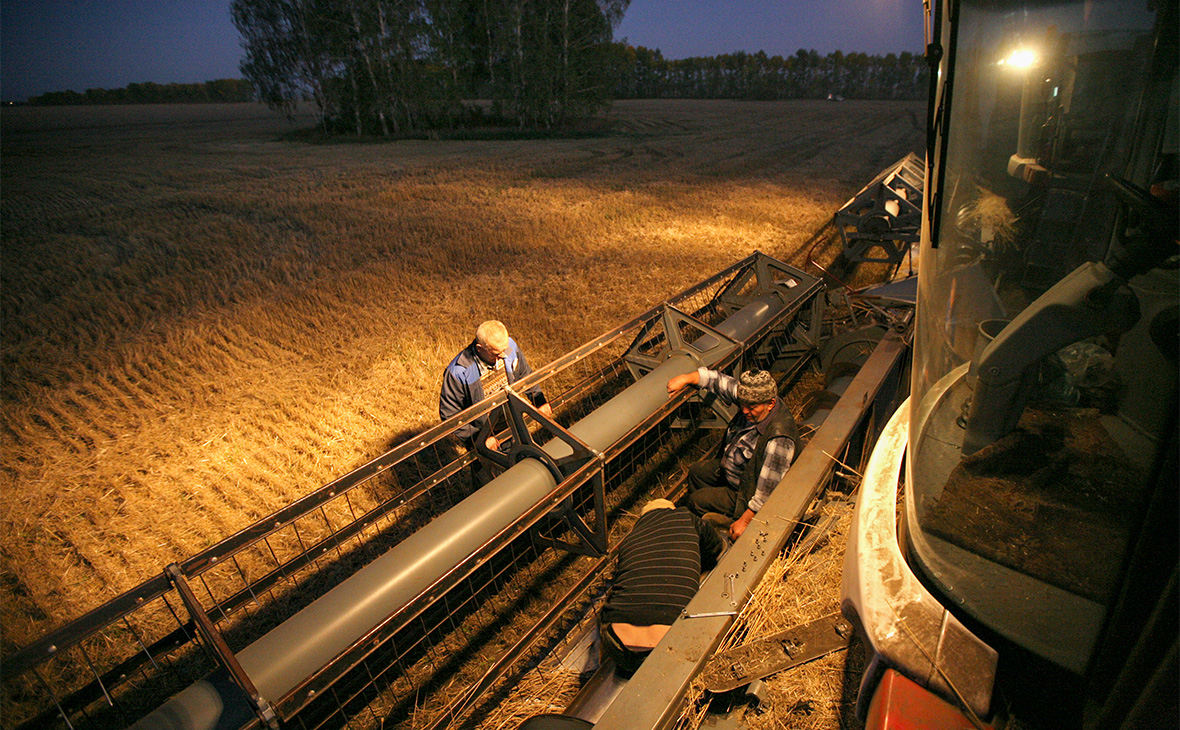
(484, 367)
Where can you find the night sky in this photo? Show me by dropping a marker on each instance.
(60, 45)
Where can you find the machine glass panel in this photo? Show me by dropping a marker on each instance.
(1045, 367)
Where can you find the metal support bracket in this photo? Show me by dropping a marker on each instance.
(795, 341)
(594, 542)
(640, 363)
(525, 446)
(885, 215)
(524, 443)
(764, 275)
(744, 664)
(796, 337)
(220, 649)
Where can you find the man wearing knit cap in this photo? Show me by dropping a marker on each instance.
(758, 448)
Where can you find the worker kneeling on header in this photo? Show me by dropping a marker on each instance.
(658, 572)
(759, 445)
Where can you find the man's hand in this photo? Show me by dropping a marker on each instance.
(682, 380)
(740, 524)
(546, 410)
(492, 443)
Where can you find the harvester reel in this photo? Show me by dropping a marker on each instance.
(852, 347)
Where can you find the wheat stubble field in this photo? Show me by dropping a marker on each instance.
(203, 319)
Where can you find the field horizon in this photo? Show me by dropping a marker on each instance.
(202, 319)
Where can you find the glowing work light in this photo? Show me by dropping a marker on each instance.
(1021, 58)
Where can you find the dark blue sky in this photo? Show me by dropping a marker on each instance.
(58, 45)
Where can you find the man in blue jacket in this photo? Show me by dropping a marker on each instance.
(483, 368)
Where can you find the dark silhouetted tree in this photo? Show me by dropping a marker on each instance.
(390, 66)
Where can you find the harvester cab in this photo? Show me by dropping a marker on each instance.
(1038, 538)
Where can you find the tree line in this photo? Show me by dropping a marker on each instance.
(382, 67)
(387, 67)
(393, 67)
(219, 91)
(645, 74)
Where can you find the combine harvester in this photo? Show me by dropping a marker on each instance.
(1030, 574)
(352, 604)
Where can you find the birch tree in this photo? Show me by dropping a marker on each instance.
(285, 57)
(393, 66)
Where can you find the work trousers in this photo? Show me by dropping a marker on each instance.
(626, 659)
(709, 491)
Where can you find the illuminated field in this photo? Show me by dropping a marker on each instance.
(202, 321)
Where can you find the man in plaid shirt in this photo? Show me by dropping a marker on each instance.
(758, 448)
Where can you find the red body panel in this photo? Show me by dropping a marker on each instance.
(901, 704)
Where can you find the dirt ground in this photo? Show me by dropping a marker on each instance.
(202, 320)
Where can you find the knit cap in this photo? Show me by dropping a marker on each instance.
(756, 386)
